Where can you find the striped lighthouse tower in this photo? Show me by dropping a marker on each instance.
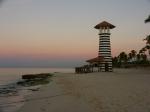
(104, 45)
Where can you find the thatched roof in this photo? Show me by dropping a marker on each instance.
(104, 24)
(97, 59)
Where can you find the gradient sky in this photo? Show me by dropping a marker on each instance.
(60, 33)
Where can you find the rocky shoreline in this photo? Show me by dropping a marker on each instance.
(12, 95)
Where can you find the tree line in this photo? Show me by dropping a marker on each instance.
(134, 58)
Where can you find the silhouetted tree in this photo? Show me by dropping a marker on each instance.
(143, 50)
(133, 54)
(147, 39)
(138, 58)
(123, 58)
(148, 19)
(115, 61)
(130, 56)
(144, 58)
(148, 48)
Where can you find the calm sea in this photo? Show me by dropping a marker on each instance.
(12, 95)
(8, 75)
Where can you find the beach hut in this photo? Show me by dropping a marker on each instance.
(95, 63)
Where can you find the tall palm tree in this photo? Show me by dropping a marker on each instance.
(148, 48)
(144, 57)
(133, 53)
(123, 57)
(138, 57)
(115, 61)
(148, 19)
(129, 56)
(147, 39)
(143, 50)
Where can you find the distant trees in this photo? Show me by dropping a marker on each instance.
(122, 57)
(131, 59)
(134, 58)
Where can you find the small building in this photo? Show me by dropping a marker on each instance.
(95, 63)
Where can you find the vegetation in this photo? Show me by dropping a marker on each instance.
(134, 59)
(148, 19)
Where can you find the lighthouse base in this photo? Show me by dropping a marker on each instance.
(106, 67)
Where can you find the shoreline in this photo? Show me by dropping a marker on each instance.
(12, 95)
(124, 90)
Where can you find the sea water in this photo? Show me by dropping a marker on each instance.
(12, 95)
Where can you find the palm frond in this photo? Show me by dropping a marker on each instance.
(148, 19)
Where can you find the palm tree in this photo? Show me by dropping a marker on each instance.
(147, 39)
(115, 61)
(138, 57)
(129, 56)
(148, 48)
(148, 19)
(144, 57)
(123, 58)
(133, 53)
(143, 50)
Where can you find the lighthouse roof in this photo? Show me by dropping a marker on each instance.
(104, 24)
(97, 59)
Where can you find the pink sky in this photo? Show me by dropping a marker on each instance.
(65, 30)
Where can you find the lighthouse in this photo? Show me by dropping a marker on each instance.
(105, 45)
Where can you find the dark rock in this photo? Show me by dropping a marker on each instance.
(36, 76)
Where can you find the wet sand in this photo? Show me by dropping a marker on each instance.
(124, 90)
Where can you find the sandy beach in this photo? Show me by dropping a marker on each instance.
(124, 90)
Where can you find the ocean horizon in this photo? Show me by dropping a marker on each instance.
(9, 75)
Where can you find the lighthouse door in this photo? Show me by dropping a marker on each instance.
(106, 67)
